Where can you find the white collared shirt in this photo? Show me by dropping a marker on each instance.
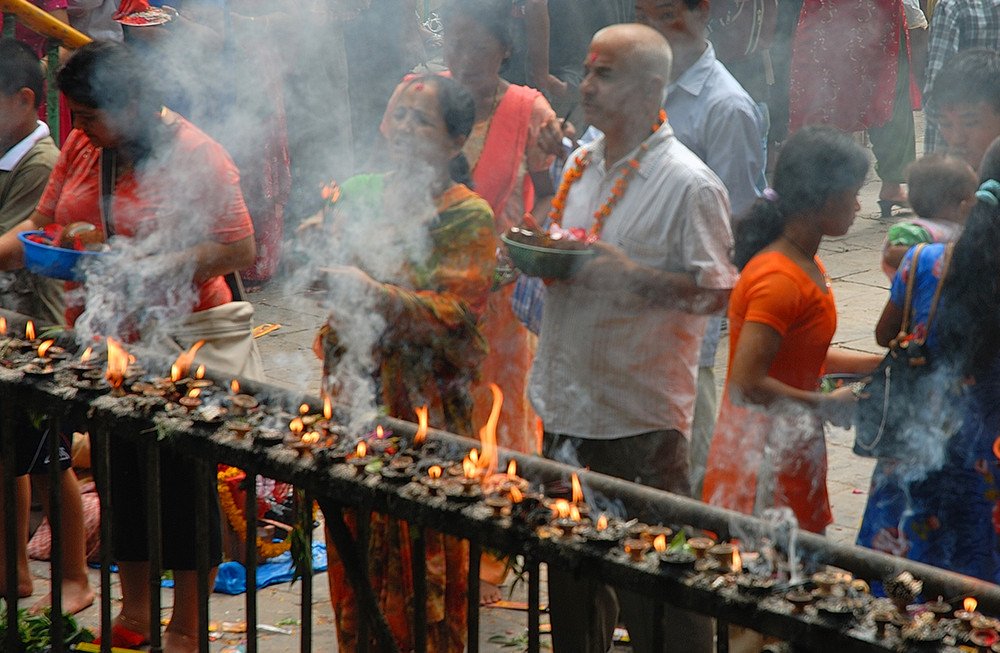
(14, 155)
(610, 365)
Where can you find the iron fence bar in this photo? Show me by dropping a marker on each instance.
(364, 533)
(10, 523)
(418, 564)
(356, 571)
(533, 568)
(100, 449)
(250, 555)
(57, 627)
(154, 542)
(721, 636)
(203, 562)
(305, 522)
(472, 597)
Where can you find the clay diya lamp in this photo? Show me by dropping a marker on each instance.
(497, 504)
(725, 555)
(799, 600)
(239, 429)
(938, 608)
(754, 585)
(604, 533)
(967, 613)
(397, 472)
(190, 403)
(984, 638)
(826, 582)
(360, 459)
(39, 368)
(268, 437)
(241, 404)
(700, 546)
(882, 619)
(636, 549)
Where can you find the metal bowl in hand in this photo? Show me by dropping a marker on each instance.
(537, 255)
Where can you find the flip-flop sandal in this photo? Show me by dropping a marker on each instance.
(122, 637)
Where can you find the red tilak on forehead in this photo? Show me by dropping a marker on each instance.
(592, 58)
(420, 86)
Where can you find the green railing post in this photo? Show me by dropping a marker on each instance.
(52, 91)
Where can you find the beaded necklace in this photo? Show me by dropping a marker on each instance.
(617, 189)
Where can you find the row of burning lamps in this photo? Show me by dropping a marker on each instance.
(477, 480)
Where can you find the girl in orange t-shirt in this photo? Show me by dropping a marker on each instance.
(768, 449)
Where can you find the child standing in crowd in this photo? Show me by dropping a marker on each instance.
(942, 192)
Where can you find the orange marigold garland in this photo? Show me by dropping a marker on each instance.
(237, 520)
(580, 162)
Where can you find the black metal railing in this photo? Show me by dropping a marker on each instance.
(338, 487)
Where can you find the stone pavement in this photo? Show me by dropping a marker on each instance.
(860, 289)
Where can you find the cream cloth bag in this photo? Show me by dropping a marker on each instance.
(229, 346)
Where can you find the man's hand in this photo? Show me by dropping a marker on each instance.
(608, 270)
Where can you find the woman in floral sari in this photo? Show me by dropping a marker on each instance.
(423, 276)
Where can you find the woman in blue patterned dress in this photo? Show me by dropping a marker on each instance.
(945, 510)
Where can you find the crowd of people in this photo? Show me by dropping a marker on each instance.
(704, 193)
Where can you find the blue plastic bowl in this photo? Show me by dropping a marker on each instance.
(51, 261)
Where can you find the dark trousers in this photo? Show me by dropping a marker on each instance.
(584, 611)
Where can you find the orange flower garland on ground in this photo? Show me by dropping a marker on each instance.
(237, 520)
(617, 189)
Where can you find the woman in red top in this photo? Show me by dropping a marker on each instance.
(768, 449)
(180, 224)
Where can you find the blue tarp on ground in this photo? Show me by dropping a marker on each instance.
(232, 577)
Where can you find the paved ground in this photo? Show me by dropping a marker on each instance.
(860, 289)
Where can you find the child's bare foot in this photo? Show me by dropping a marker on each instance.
(488, 593)
(76, 596)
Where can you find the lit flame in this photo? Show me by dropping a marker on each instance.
(327, 408)
(29, 330)
(577, 490)
(561, 508)
(970, 604)
(469, 465)
(44, 347)
(434, 471)
(660, 542)
(474, 456)
(737, 560)
(488, 434)
(194, 392)
(234, 386)
(303, 409)
(421, 434)
(117, 364)
(515, 495)
(85, 356)
(362, 450)
(184, 361)
(311, 438)
(3, 325)
(200, 372)
(296, 425)
(602, 522)
(512, 470)
(574, 513)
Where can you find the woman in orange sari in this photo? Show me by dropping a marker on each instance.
(424, 296)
